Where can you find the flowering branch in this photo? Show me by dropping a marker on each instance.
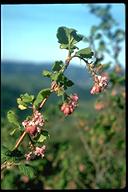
(33, 125)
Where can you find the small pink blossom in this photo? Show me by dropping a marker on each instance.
(29, 156)
(67, 110)
(32, 130)
(75, 97)
(95, 89)
(40, 151)
(68, 107)
(101, 82)
(34, 125)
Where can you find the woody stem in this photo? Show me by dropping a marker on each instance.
(19, 140)
(41, 105)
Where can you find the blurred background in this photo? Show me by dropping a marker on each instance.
(88, 157)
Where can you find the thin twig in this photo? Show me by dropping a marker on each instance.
(19, 140)
(43, 102)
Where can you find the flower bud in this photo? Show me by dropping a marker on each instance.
(95, 89)
(32, 130)
(75, 97)
(63, 107)
(67, 111)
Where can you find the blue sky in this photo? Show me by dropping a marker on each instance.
(28, 32)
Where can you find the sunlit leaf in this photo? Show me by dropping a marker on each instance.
(85, 53)
(43, 136)
(46, 73)
(41, 96)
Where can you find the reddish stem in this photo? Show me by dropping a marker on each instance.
(20, 140)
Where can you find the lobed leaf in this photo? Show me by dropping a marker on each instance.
(68, 37)
(57, 65)
(43, 136)
(85, 53)
(11, 116)
(62, 35)
(46, 73)
(22, 107)
(41, 96)
(26, 98)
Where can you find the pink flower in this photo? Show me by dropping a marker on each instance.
(33, 125)
(32, 130)
(75, 97)
(67, 110)
(63, 107)
(101, 82)
(40, 151)
(95, 89)
(29, 156)
(69, 107)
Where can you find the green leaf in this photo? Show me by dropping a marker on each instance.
(69, 83)
(38, 100)
(11, 155)
(75, 38)
(12, 118)
(41, 96)
(85, 53)
(67, 37)
(26, 170)
(62, 35)
(55, 76)
(57, 66)
(22, 107)
(21, 104)
(63, 80)
(26, 98)
(43, 136)
(46, 73)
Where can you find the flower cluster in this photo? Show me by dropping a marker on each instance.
(101, 82)
(33, 126)
(68, 107)
(39, 151)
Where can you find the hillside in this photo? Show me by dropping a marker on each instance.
(18, 78)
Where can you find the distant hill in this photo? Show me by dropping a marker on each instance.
(18, 78)
(78, 74)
